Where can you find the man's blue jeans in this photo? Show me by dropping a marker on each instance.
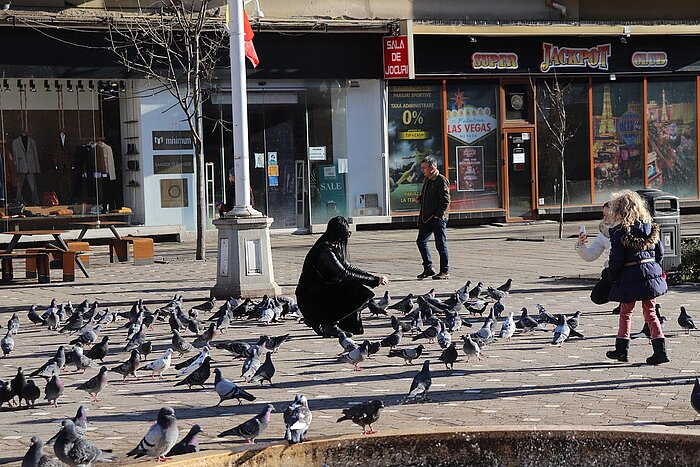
(438, 228)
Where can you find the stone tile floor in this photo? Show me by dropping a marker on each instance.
(525, 382)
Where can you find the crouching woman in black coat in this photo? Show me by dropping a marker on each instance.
(331, 292)
(635, 272)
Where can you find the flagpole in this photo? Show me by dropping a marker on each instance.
(242, 207)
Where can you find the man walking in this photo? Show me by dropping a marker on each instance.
(434, 202)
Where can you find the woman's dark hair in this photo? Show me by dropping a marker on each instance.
(337, 232)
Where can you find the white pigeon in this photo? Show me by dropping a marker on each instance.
(561, 332)
(508, 328)
(204, 353)
(444, 338)
(485, 331)
(160, 365)
(470, 348)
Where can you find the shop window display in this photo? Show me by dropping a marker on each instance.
(472, 143)
(577, 161)
(672, 157)
(415, 132)
(618, 153)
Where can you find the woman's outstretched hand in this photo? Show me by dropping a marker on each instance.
(383, 280)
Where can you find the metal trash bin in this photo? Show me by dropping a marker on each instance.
(665, 209)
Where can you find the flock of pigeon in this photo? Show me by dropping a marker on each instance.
(425, 318)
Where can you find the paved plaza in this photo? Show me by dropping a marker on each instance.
(524, 382)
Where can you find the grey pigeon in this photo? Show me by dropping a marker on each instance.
(223, 323)
(6, 393)
(506, 287)
(128, 367)
(444, 338)
(508, 327)
(74, 450)
(297, 419)
(273, 343)
(477, 307)
(364, 415)
(396, 325)
(199, 376)
(35, 456)
(88, 336)
(79, 359)
(179, 344)
(463, 292)
(385, 300)
(53, 390)
(345, 342)
(229, 390)
(470, 348)
(476, 291)
(498, 308)
(695, 396)
(265, 372)
(393, 339)
(495, 293)
(13, 324)
(685, 321)
(144, 349)
(252, 428)
(47, 370)
(95, 385)
(206, 306)
(250, 366)
(561, 332)
(237, 348)
(18, 383)
(137, 339)
(160, 438)
(355, 356)
(30, 393)
(429, 333)
(7, 344)
(98, 351)
(34, 316)
(80, 420)
(375, 310)
(206, 337)
(421, 383)
(408, 355)
(449, 356)
(405, 305)
(188, 444)
(526, 322)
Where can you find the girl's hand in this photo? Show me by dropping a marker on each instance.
(582, 238)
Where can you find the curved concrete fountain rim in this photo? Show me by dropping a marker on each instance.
(225, 457)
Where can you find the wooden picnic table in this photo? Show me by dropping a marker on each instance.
(56, 234)
(85, 226)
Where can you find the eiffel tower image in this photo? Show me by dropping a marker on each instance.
(664, 109)
(607, 123)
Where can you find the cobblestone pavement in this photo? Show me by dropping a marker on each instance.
(524, 382)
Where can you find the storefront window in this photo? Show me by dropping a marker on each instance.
(472, 124)
(415, 132)
(577, 161)
(618, 159)
(672, 160)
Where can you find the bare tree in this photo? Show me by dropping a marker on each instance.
(177, 46)
(552, 111)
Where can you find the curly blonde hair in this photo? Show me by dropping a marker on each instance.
(627, 207)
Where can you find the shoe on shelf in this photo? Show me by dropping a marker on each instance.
(441, 276)
(428, 272)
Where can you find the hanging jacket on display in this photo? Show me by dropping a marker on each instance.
(61, 156)
(105, 160)
(26, 155)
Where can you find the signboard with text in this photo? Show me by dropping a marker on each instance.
(172, 140)
(396, 62)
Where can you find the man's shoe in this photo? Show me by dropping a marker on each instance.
(442, 276)
(429, 272)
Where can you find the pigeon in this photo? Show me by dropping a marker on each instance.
(160, 438)
(88, 335)
(345, 342)
(13, 324)
(34, 316)
(80, 420)
(396, 325)
(18, 383)
(250, 366)
(476, 291)
(229, 390)
(6, 394)
(251, 429)
(47, 370)
(160, 365)
(223, 323)
(206, 306)
(421, 383)
(179, 344)
(574, 320)
(545, 316)
(561, 332)
(486, 331)
(297, 419)
(355, 356)
(405, 305)
(470, 348)
(375, 310)
(526, 322)
(408, 355)
(98, 351)
(7, 344)
(192, 363)
(444, 338)
(392, 340)
(53, 320)
(265, 372)
(385, 300)
(175, 323)
(685, 321)
(196, 327)
(30, 393)
(373, 348)
(96, 384)
(137, 339)
(364, 415)
(53, 390)
(74, 450)
(35, 456)
(506, 287)
(498, 308)
(495, 293)
(144, 349)
(473, 308)
(199, 376)
(463, 292)
(128, 367)
(237, 348)
(695, 396)
(508, 328)
(79, 359)
(449, 356)
(273, 343)
(188, 444)
(429, 333)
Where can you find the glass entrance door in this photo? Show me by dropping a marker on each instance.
(519, 173)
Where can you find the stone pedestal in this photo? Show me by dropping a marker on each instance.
(244, 259)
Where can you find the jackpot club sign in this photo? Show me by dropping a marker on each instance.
(553, 56)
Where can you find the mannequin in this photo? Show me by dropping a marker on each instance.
(24, 149)
(61, 158)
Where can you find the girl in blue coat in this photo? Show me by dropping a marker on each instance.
(635, 270)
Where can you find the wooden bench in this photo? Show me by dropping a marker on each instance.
(41, 259)
(82, 249)
(143, 250)
(64, 259)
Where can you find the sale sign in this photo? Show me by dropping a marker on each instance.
(396, 57)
